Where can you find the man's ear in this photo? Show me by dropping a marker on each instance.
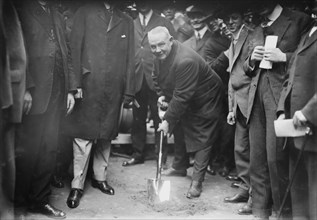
(171, 39)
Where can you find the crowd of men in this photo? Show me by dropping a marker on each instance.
(201, 70)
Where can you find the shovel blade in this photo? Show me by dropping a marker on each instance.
(158, 190)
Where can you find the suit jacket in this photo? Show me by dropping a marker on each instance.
(144, 59)
(300, 89)
(15, 66)
(200, 46)
(40, 50)
(232, 60)
(102, 44)
(194, 92)
(289, 27)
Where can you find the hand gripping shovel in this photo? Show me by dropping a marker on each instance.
(158, 190)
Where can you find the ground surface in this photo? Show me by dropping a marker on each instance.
(130, 200)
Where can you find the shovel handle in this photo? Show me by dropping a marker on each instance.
(159, 163)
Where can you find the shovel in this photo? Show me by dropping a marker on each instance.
(158, 190)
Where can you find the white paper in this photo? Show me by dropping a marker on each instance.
(285, 128)
(270, 42)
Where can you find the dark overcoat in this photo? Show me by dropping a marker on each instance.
(102, 45)
(300, 90)
(41, 54)
(198, 46)
(195, 94)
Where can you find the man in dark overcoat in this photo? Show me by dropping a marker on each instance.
(13, 72)
(49, 91)
(268, 159)
(299, 101)
(194, 92)
(102, 44)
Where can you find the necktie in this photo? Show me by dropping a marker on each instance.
(46, 8)
(198, 37)
(144, 22)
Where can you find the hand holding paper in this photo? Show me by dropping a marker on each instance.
(270, 43)
(286, 128)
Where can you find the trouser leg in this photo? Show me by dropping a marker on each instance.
(200, 164)
(82, 151)
(242, 149)
(101, 159)
(181, 159)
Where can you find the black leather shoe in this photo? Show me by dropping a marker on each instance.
(224, 171)
(211, 170)
(172, 172)
(233, 178)
(133, 161)
(48, 210)
(57, 182)
(246, 209)
(103, 186)
(239, 197)
(74, 198)
(194, 190)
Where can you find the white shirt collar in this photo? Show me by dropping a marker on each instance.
(236, 36)
(275, 14)
(201, 32)
(107, 5)
(147, 17)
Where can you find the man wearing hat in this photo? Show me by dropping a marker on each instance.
(144, 88)
(201, 32)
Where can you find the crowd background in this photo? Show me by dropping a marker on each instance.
(180, 17)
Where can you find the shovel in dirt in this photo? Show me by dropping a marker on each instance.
(158, 190)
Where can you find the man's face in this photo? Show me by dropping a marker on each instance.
(169, 13)
(214, 25)
(234, 22)
(195, 21)
(160, 44)
(143, 7)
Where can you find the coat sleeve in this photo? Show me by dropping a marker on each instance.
(310, 110)
(130, 74)
(220, 64)
(76, 41)
(185, 85)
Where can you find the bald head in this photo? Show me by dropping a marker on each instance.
(160, 42)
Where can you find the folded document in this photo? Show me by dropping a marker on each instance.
(285, 128)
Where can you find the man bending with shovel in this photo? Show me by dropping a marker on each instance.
(194, 93)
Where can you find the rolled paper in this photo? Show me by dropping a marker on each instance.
(270, 42)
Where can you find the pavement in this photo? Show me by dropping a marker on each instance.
(131, 197)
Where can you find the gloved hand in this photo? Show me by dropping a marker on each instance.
(128, 101)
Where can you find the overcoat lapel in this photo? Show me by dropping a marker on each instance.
(307, 41)
(282, 22)
(238, 46)
(41, 17)
(114, 21)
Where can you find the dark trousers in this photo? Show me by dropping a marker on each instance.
(7, 165)
(268, 160)
(36, 156)
(201, 162)
(304, 188)
(223, 149)
(181, 158)
(242, 148)
(147, 99)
